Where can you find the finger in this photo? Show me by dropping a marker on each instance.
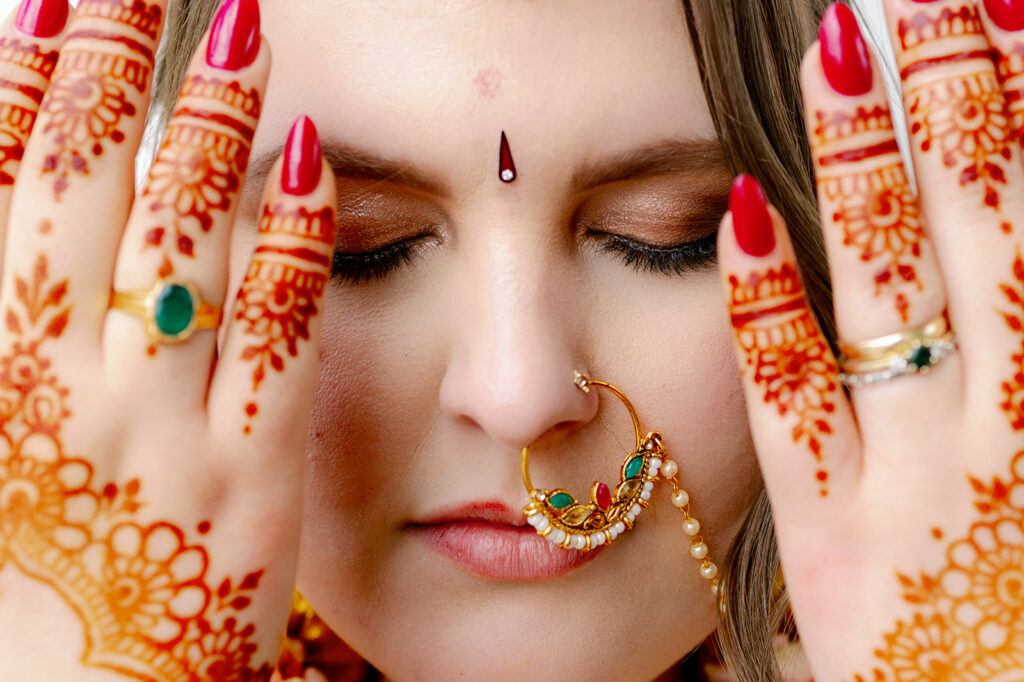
(181, 223)
(30, 43)
(885, 275)
(802, 425)
(76, 182)
(969, 171)
(266, 375)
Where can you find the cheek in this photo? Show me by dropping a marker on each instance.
(679, 351)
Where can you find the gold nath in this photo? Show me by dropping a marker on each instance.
(568, 523)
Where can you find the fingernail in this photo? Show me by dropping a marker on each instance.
(235, 37)
(750, 218)
(302, 164)
(1008, 14)
(844, 54)
(42, 18)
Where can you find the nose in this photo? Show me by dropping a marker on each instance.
(513, 354)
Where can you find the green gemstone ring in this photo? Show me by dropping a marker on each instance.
(171, 309)
(915, 351)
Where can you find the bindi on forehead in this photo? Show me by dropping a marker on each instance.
(488, 82)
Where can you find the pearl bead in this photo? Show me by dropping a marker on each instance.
(699, 551)
(691, 526)
(597, 539)
(680, 498)
(579, 542)
(709, 570)
(655, 463)
(669, 468)
(620, 528)
(542, 523)
(557, 536)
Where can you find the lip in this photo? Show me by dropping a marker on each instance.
(489, 539)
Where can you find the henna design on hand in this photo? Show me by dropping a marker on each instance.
(968, 620)
(17, 121)
(788, 355)
(91, 90)
(1013, 390)
(285, 281)
(1010, 67)
(199, 167)
(875, 205)
(140, 589)
(962, 117)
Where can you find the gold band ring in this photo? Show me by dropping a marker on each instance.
(171, 309)
(914, 351)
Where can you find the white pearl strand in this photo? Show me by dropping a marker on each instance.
(691, 526)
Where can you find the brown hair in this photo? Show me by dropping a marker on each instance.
(749, 55)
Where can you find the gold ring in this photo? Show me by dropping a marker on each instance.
(914, 351)
(171, 309)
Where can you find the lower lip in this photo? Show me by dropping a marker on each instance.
(502, 552)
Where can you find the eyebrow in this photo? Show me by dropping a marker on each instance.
(354, 163)
(695, 156)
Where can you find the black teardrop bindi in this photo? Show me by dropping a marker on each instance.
(506, 166)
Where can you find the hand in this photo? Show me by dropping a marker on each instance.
(150, 491)
(899, 510)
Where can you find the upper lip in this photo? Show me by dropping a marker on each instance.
(486, 511)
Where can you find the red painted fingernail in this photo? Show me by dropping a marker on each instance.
(844, 54)
(235, 37)
(42, 18)
(1008, 14)
(302, 164)
(750, 218)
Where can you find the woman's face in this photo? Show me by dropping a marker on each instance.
(455, 345)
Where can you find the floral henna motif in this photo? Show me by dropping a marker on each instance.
(873, 202)
(1010, 67)
(141, 591)
(199, 167)
(279, 297)
(92, 88)
(789, 358)
(968, 621)
(963, 118)
(16, 121)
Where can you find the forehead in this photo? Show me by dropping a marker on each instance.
(441, 79)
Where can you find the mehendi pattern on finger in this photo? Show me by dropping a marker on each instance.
(861, 176)
(102, 63)
(961, 116)
(198, 170)
(1010, 67)
(17, 120)
(968, 618)
(141, 590)
(787, 355)
(279, 298)
(1013, 389)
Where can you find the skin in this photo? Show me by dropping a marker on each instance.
(449, 365)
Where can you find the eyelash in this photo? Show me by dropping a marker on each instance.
(696, 256)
